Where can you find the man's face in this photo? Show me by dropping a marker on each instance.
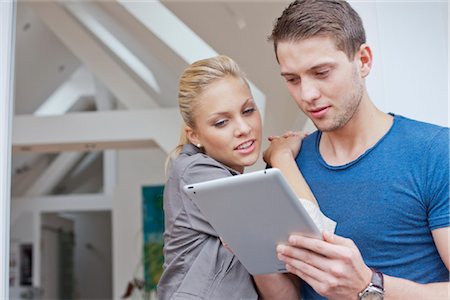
(327, 87)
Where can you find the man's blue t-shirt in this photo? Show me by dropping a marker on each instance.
(389, 199)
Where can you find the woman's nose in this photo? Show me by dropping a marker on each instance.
(243, 128)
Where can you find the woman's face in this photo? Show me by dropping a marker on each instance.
(228, 124)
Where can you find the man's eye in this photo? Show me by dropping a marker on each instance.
(323, 73)
(220, 123)
(292, 80)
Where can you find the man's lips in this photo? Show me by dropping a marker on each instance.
(319, 112)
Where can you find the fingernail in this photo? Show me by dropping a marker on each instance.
(328, 235)
(280, 248)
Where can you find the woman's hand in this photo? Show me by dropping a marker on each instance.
(287, 144)
(277, 286)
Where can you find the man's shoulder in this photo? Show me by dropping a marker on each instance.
(309, 146)
(311, 138)
(420, 131)
(413, 124)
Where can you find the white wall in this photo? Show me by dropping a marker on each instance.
(410, 45)
(136, 168)
(7, 19)
(50, 253)
(93, 255)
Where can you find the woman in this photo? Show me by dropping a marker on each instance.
(222, 136)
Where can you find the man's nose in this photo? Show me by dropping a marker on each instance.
(309, 91)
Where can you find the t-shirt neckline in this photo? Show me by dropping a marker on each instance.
(349, 164)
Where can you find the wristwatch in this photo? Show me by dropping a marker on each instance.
(375, 289)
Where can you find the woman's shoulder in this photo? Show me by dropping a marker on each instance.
(197, 167)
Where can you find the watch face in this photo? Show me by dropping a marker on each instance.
(372, 294)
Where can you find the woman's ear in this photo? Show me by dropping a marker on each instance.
(191, 135)
(364, 57)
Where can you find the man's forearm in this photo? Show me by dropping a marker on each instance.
(397, 288)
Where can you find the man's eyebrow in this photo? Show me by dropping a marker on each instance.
(287, 74)
(321, 65)
(313, 68)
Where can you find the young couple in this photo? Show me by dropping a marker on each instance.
(383, 178)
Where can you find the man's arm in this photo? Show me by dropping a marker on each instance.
(397, 288)
(335, 269)
(441, 238)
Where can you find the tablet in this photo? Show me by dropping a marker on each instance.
(253, 213)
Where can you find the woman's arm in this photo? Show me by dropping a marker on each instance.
(281, 154)
(278, 286)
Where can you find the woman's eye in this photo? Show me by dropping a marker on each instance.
(249, 111)
(220, 123)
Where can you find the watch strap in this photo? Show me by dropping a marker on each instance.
(377, 279)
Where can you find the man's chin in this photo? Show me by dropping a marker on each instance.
(324, 127)
(328, 126)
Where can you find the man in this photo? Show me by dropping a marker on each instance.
(383, 178)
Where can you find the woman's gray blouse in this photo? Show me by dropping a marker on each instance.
(196, 264)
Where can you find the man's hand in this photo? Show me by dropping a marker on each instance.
(333, 267)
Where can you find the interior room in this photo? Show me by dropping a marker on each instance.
(94, 115)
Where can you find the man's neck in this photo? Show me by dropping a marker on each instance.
(367, 126)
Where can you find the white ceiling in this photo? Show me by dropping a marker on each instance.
(235, 28)
(42, 61)
(47, 55)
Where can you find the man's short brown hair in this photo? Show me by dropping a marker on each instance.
(303, 19)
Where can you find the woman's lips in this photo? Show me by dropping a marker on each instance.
(246, 147)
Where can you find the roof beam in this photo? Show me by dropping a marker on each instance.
(79, 84)
(66, 203)
(48, 179)
(92, 131)
(94, 55)
(178, 36)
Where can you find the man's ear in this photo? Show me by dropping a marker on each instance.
(364, 56)
(191, 135)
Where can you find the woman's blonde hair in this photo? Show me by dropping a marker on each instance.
(195, 79)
